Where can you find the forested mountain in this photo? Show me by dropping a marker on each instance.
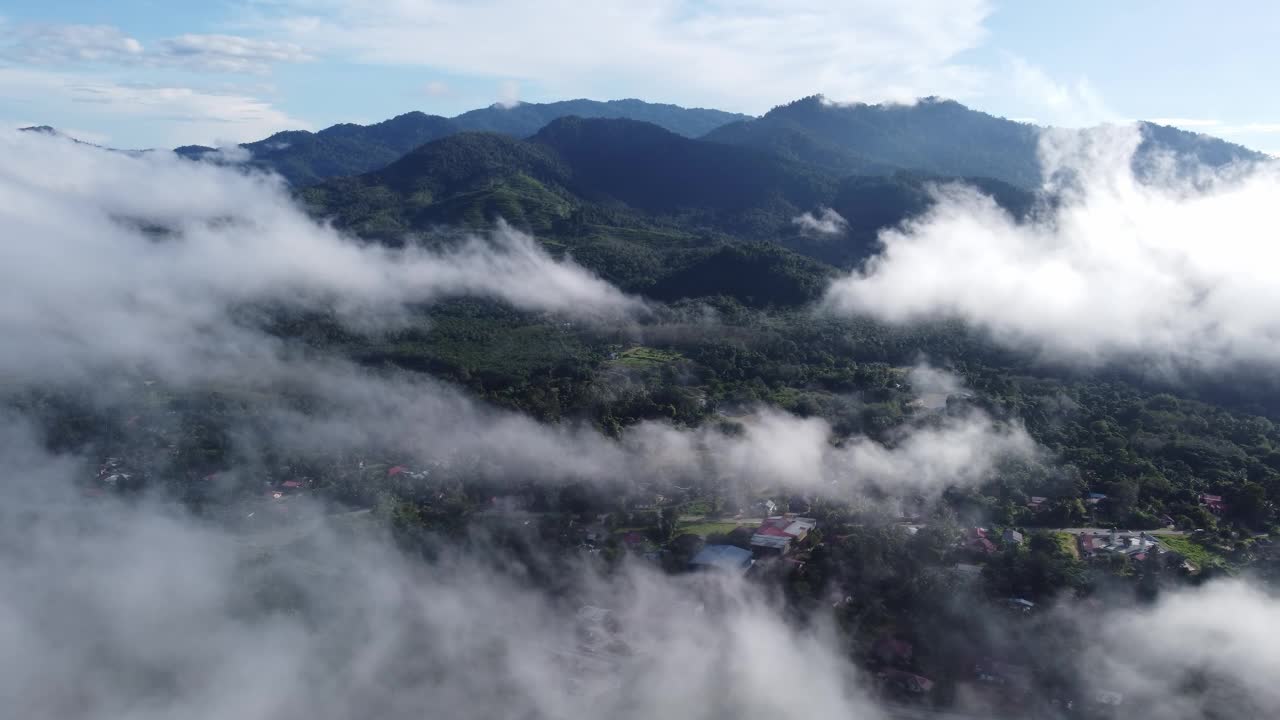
(651, 169)
(305, 158)
(525, 119)
(931, 137)
(934, 136)
(650, 210)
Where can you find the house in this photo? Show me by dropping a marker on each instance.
(976, 540)
(1012, 537)
(1088, 544)
(1095, 498)
(1116, 542)
(777, 534)
(724, 558)
(1036, 502)
(1213, 503)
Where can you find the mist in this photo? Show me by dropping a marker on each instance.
(138, 610)
(145, 267)
(1202, 652)
(147, 261)
(825, 222)
(1172, 269)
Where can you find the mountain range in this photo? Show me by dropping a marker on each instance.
(667, 215)
(304, 158)
(674, 202)
(932, 136)
(655, 212)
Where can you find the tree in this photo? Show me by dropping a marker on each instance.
(1066, 512)
(1122, 496)
(1249, 505)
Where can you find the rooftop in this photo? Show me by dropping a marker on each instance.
(723, 557)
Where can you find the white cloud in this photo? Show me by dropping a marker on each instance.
(177, 115)
(227, 53)
(138, 611)
(84, 283)
(1064, 104)
(745, 57)
(826, 222)
(1119, 267)
(58, 44)
(1207, 651)
(509, 93)
(104, 44)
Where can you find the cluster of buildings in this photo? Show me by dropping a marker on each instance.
(1137, 547)
(776, 536)
(779, 534)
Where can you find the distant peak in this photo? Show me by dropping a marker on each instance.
(43, 129)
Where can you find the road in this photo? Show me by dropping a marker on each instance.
(1104, 531)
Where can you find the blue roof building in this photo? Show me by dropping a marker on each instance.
(722, 557)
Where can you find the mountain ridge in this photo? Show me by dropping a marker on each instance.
(941, 136)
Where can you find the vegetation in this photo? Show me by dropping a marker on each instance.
(1199, 555)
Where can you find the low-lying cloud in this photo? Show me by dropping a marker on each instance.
(119, 261)
(1204, 652)
(123, 266)
(825, 222)
(138, 611)
(1175, 269)
(426, 421)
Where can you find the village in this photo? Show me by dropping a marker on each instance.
(805, 549)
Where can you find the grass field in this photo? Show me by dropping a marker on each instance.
(1198, 554)
(708, 528)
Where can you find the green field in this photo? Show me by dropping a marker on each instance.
(1198, 554)
(709, 528)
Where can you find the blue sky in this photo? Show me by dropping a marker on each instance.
(137, 73)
